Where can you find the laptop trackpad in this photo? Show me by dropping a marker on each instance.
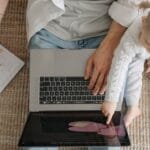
(73, 129)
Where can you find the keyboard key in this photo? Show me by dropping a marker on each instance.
(68, 83)
(50, 88)
(66, 93)
(72, 83)
(41, 79)
(52, 79)
(77, 83)
(75, 88)
(70, 88)
(56, 78)
(57, 83)
(62, 79)
(55, 88)
(52, 83)
(65, 88)
(63, 97)
(46, 79)
(62, 83)
(62, 93)
(69, 98)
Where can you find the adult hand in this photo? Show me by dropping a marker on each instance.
(99, 63)
(97, 69)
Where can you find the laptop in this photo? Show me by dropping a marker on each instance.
(62, 111)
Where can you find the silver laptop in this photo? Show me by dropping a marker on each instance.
(57, 87)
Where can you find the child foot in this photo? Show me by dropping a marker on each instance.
(131, 114)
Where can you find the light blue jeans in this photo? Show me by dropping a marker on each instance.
(45, 39)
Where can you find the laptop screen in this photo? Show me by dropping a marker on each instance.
(82, 128)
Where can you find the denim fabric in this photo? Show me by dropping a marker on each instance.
(44, 39)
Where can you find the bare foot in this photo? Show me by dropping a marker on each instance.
(132, 113)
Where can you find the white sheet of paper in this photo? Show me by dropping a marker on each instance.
(9, 66)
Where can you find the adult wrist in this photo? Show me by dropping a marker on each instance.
(107, 46)
(110, 42)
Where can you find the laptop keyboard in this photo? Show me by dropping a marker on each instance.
(67, 90)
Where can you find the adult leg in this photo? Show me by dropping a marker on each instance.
(44, 39)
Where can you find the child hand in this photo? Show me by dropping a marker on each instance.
(108, 109)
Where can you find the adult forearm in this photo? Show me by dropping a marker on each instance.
(113, 37)
(99, 63)
(3, 5)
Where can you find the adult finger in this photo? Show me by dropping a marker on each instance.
(88, 69)
(103, 88)
(93, 78)
(98, 84)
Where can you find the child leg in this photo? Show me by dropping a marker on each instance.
(132, 113)
(133, 90)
